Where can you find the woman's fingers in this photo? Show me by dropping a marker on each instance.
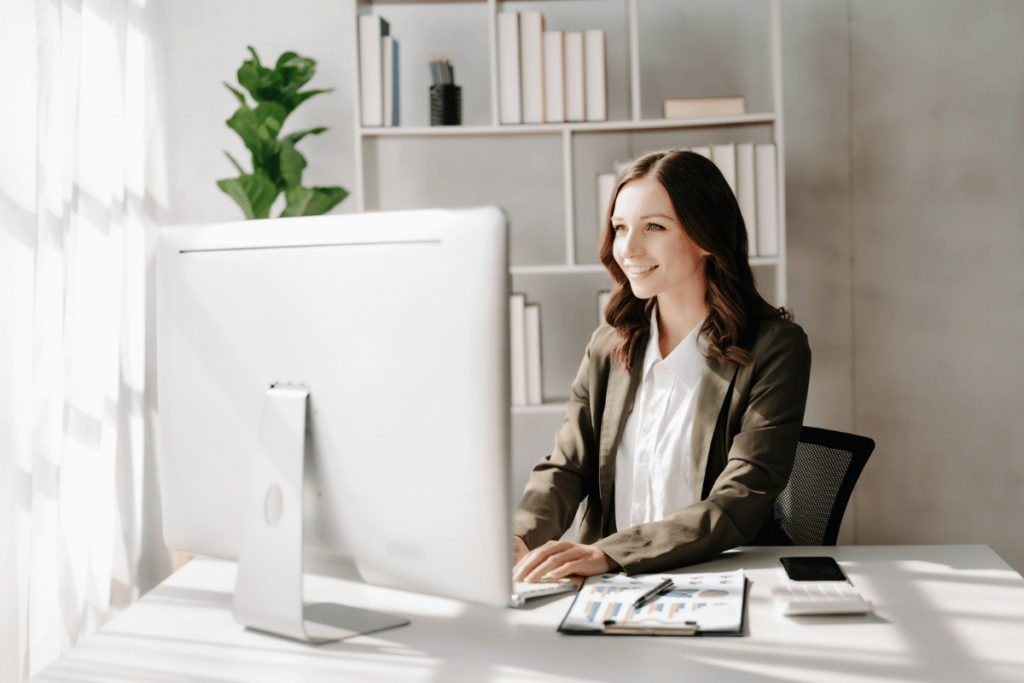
(535, 558)
(550, 564)
(519, 550)
(560, 559)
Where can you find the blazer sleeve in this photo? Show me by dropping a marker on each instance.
(756, 471)
(559, 482)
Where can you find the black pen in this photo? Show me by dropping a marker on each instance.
(653, 593)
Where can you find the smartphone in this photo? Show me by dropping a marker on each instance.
(812, 569)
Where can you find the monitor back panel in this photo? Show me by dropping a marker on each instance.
(398, 325)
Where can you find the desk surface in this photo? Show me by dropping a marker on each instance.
(942, 613)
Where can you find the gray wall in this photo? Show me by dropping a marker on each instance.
(905, 141)
(905, 161)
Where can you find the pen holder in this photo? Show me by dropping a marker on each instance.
(445, 105)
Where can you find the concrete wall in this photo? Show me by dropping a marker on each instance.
(905, 141)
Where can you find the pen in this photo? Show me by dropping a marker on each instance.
(653, 593)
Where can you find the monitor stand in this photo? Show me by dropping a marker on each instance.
(268, 590)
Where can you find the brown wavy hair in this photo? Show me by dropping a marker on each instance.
(707, 209)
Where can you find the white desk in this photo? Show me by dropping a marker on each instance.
(942, 613)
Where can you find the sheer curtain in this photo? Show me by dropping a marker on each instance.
(79, 509)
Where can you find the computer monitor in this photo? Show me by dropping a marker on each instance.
(395, 325)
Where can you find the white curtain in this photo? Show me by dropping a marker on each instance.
(79, 507)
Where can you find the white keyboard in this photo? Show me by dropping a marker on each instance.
(819, 597)
(522, 591)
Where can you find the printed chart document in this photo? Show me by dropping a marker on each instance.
(697, 604)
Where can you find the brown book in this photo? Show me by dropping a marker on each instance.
(705, 107)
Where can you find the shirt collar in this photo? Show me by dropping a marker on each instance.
(686, 361)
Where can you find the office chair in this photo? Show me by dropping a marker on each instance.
(827, 467)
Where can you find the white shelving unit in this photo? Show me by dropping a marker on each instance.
(573, 134)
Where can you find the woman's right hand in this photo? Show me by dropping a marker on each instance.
(519, 550)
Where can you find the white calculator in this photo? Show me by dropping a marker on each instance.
(816, 585)
(796, 598)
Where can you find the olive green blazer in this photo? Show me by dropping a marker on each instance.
(745, 434)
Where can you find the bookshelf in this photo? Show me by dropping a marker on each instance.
(544, 174)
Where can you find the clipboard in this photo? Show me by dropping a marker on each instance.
(709, 604)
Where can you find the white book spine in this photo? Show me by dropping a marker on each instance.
(703, 151)
(508, 68)
(388, 71)
(605, 189)
(596, 87)
(745, 191)
(575, 89)
(371, 87)
(531, 59)
(534, 395)
(602, 303)
(517, 347)
(767, 201)
(554, 76)
(724, 157)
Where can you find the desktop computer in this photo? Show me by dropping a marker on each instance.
(338, 385)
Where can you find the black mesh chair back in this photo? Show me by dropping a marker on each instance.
(827, 467)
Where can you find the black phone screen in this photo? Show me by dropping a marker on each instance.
(812, 569)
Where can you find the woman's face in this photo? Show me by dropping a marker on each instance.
(650, 244)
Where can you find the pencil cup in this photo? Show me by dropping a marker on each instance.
(445, 105)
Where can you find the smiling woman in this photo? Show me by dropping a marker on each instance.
(685, 414)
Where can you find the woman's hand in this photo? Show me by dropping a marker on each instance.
(519, 549)
(560, 559)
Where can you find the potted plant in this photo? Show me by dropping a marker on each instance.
(277, 164)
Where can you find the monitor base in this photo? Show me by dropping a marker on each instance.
(268, 589)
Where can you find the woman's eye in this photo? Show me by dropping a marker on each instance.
(655, 226)
(618, 228)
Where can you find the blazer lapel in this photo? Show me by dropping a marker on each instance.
(714, 386)
(622, 386)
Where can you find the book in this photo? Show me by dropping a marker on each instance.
(531, 60)
(575, 95)
(508, 68)
(705, 107)
(605, 190)
(745, 191)
(704, 604)
(371, 86)
(596, 80)
(517, 347)
(703, 151)
(534, 393)
(602, 305)
(767, 200)
(724, 157)
(389, 69)
(554, 76)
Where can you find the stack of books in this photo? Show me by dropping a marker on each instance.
(378, 72)
(524, 325)
(750, 171)
(549, 76)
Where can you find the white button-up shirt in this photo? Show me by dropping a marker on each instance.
(652, 466)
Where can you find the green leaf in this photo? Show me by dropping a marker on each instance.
(237, 165)
(262, 83)
(291, 164)
(295, 71)
(297, 199)
(255, 193)
(295, 137)
(258, 129)
(292, 100)
(312, 201)
(324, 199)
(238, 94)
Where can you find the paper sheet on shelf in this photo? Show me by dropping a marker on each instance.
(713, 601)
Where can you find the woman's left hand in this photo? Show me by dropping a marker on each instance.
(560, 559)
